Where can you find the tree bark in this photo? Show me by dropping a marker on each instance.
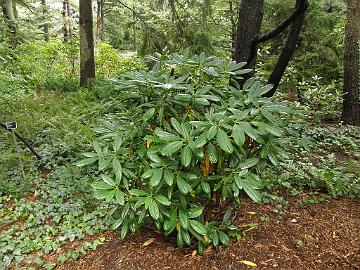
(287, 51)
(248, 27)
(134, 31)
(45, 15)
(63, 14)
(233, 25)
(68, 16)
(9, 17)
(351, 108)
(100, 32)
(87, 62)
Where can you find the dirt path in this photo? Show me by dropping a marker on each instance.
(313, 236)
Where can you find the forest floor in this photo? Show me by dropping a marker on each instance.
(320, 235)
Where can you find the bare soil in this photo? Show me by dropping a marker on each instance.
(312, 236)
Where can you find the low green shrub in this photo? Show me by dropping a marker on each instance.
(183, 143)
(110, 63)
(55, 65)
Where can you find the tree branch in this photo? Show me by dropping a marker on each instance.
(299, 10)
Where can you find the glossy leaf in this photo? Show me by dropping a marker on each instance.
(198, 227)
(186, 156)
(224, 141)
(171, 148)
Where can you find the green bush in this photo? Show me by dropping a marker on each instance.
(55, 65)
(182, 144)
(39, 62)
(110, 63)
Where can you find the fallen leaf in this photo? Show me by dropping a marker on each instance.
(194, 253)
(148, 242)
(208, 250)
(251, 213)
(248, 263)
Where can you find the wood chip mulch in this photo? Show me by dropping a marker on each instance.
(312, 236)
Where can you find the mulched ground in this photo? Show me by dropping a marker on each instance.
(311, 236)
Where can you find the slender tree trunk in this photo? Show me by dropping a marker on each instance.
(248, 27)
(351, 107)
(287, 52)
(45, 15)
(68, 16)
(63, 13)
(233, 25)
(9, 17)
(100, 33)
(87, 62)
(15, 10)
(134, 32)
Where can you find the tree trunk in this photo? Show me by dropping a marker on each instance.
(9, 17)
(45, 15)
(287, 52)
(134, 32)
(68, 16)
(63, 13)
(248, 27)
(100, 33)
(87, 62)
(233, 25)
(351, 107)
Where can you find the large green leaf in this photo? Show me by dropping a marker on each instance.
(171, 148)
(138, 193)
(168, 177)
(156, 177)
(250, 131)
(117, 143)
(212, 153)
(238, 135)
(186, 237)
(251, 162)
(274, 130)
(86, 161)
(224, 238)
(205, 187)
(224, 141)
(124, 230)
(211, 133)
(185, 156)
(201, 140)
(107, 194)
(196, 211)
(108, 180)
(179, 240)
(120, 197)
(184, 219)
(250, 189)
(149, 114)
(198, 227)
(161, 199)
(176, 125)
(166, 136)
(154, 210)
(101, 186)
(183, 186)
(117, 168)
(169, 224)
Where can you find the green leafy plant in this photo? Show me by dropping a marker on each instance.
(183, 144)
